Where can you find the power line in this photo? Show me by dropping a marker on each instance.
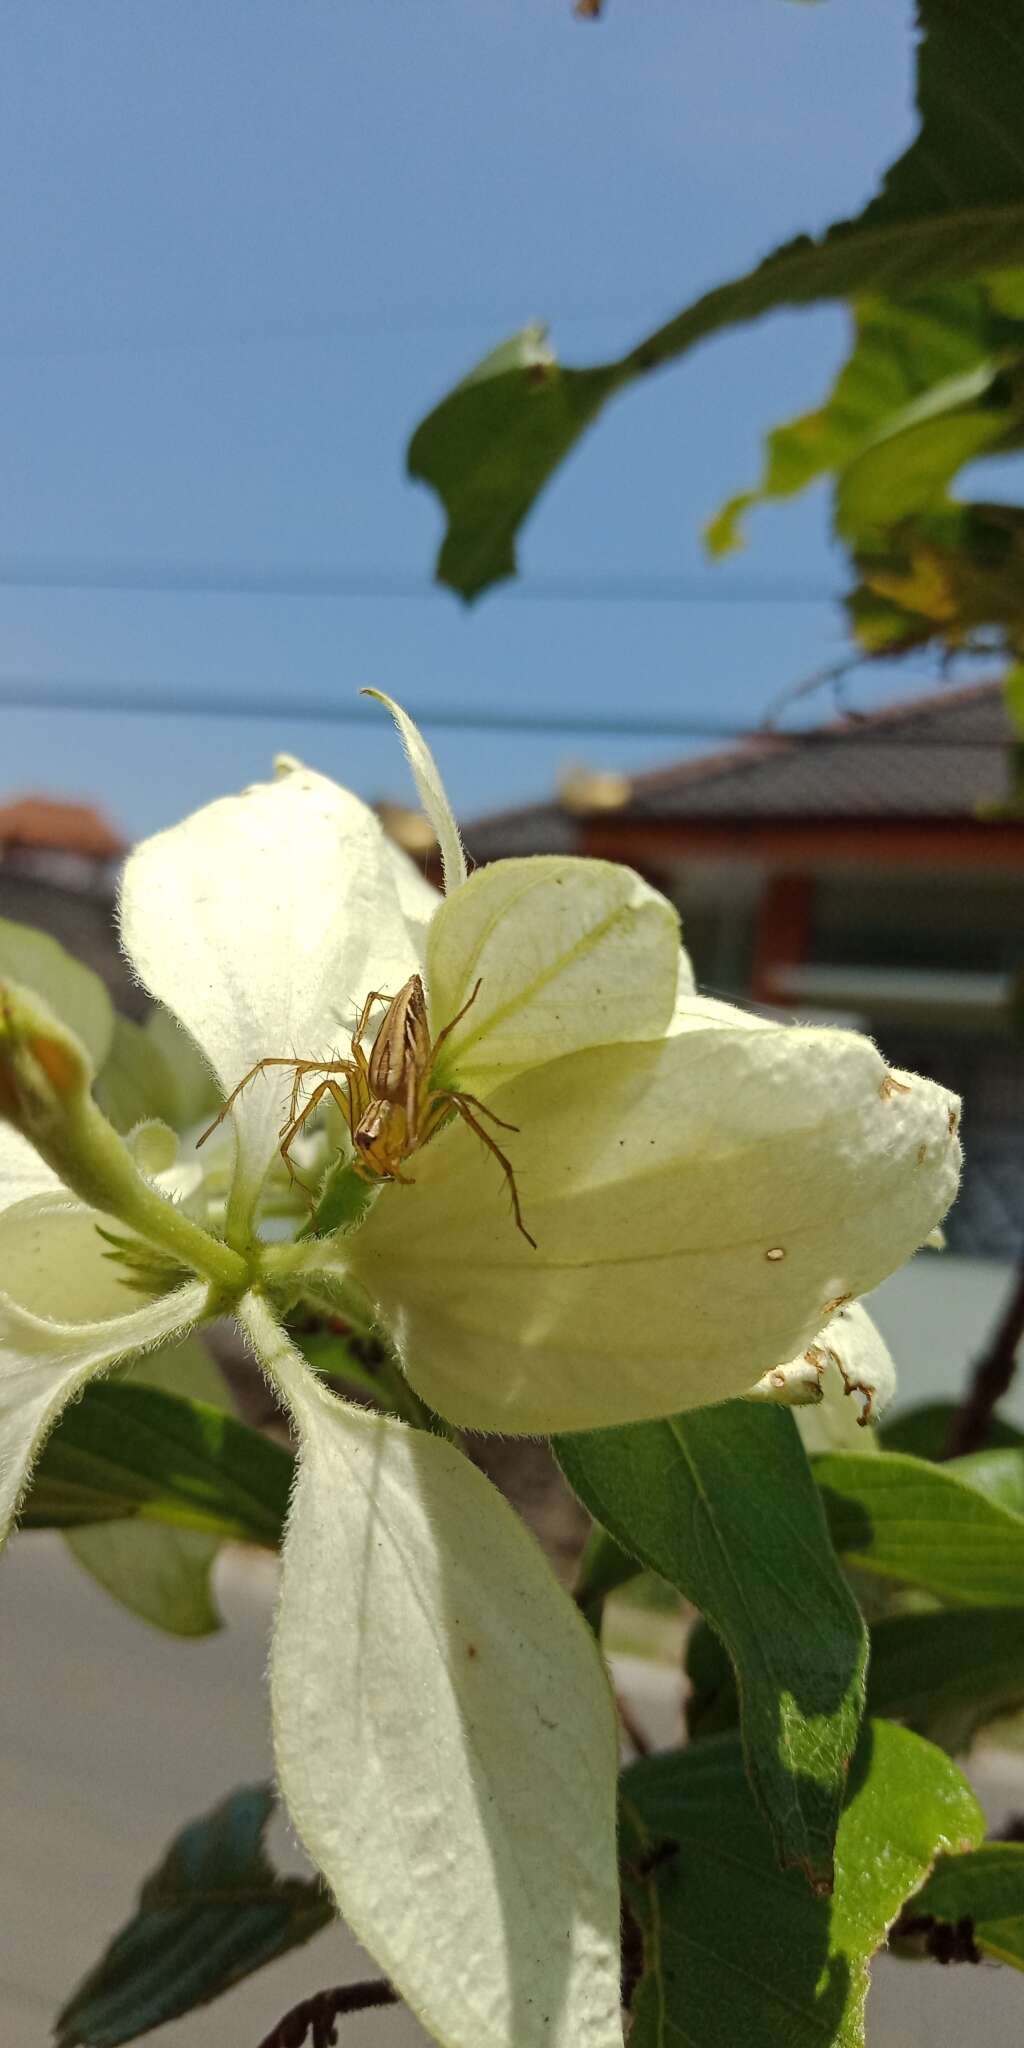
(133, 699)
(197, 579)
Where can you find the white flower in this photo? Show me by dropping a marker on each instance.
(839, 1385)
(705, 1192)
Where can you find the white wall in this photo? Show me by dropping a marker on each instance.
(936, 1316)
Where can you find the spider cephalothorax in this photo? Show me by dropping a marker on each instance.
(387, 1097)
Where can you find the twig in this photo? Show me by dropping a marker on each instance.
(318, 2016)
(991, 1379)
(835, 674)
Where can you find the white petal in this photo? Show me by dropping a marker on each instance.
(49, 1261)
(74, 993)
(686, 986)
(858, 1381)
(426, 776)
(154, 1148)
(263, 922)
(700, 1206)
(797, 1384)
(703, 1013)
(568, 953)
(444, 1731)
(842, 1381)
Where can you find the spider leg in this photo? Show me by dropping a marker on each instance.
(291, 1131)
(376, 995)
(461, 1104)
(484, 1111)
(259, 1068)
(457, 1019)
(304, 1067)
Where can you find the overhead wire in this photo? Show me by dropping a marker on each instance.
(197, 579)
(34, 693)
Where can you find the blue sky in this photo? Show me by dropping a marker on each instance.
(245, 247)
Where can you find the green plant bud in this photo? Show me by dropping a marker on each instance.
(44, 1068)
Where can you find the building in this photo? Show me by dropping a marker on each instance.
(58, 871)
(868, 871)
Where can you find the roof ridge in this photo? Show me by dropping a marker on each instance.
(747, 753)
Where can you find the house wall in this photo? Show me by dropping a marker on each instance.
(923, 960)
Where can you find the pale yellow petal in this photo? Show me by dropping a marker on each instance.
(701, 1206)
(431, 791)
(262, 922)
(567, 953)
(64, 1318)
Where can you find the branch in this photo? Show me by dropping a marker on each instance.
(317, 2016)
(991, 1379)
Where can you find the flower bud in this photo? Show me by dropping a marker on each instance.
(46, 1093)
(44, 1069)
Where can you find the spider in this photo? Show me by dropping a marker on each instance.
(387, 1098)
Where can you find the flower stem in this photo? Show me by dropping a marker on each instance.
(96, 1164)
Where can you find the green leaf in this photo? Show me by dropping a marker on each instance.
(986, 1887)
(603, 1567)
(712, 1703)
(908, 465)
(945, 1674)
(737, 1952)
(940, 576)
(154, 1070)
(489, 448)
(950, 209)
(328, 1352)
(900, 1518)
(721, 1502)
(1014, 687)
(213, 1912)
(125, 1451)
(74, 993)
(136, 1083)
(998, 1474)
(158, 1572)
(924, 1431)
(903, 351)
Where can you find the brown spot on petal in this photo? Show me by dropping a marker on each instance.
(857, 1387)
(890, 1087)
(832, 1308)
(922, 1154)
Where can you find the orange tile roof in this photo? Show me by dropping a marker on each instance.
(46, 822)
